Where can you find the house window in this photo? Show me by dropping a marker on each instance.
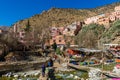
(53, 29)
(59, 40)
(60, 33)
(54, 40)
(68, 29)
(21, 38)
(23, 33)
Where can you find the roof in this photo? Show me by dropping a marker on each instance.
(4, 28)
(73, 45)
(87, 50)
(111, 44)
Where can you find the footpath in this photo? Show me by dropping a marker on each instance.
(56, 65)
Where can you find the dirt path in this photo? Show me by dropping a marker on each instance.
(42, 78)
(56, 65)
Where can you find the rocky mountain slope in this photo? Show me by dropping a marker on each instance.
(94, 35)
(112, 35)
(62, 17)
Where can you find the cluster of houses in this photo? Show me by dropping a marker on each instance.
(104, 19)
(60, 35)
(19, 33)
(3, 30)
(63, 35)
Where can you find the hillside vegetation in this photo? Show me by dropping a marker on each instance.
(90, 36)
(94, 35)
(112, 34)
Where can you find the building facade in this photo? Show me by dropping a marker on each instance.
(104, 19)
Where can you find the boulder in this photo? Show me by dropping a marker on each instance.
(12, 56)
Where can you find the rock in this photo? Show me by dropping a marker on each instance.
(36, 74)
(12, 56)
(71, 75)
(76, 77)
(16, 76)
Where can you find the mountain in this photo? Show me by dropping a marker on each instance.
(62, 17)
(5, 28)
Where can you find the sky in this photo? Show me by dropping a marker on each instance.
(12, 11)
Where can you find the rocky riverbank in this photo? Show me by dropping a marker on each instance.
(21, 65)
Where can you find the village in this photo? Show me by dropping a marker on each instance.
(57, 33)
(99, 64)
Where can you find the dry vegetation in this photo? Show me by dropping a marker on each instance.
(62, 17)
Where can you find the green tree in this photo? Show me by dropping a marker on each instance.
(58, 51)
(54, 46)
(27, 28)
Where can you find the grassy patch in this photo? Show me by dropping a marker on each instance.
(77, 73)
(108, 67)
(6, 78)
(84, 75)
